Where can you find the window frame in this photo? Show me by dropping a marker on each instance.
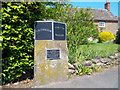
(100, 23)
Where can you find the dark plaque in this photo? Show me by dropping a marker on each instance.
(53, 54)
(43, 30)
(59, 31)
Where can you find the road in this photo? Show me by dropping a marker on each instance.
(106, 79)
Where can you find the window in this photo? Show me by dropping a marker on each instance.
(101, 24)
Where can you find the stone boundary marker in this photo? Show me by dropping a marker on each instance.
(50, 52)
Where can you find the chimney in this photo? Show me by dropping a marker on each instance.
(60, 2)
(107, 5)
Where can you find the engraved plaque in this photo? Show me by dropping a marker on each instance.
(43, 30)
(59, 31)
(53, 54)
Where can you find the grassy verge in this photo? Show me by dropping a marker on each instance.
(97, 50)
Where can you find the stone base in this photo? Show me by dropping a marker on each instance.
(47, 71)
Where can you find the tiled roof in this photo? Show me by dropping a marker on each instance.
(102, 14)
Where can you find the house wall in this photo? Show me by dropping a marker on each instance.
(109, 26)
(118, 24)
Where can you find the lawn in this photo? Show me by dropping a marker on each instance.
(97, 50)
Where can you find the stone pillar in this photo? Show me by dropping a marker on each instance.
(50, 56)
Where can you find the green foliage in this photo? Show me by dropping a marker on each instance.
(18, 37)
(80, 26)
(94, 50)
(83, 70)
(95, 68)
(106, 36)
(118, 37)
(118, 49)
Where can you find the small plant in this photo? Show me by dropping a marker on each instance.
(27, 80)
(106, 36)
(79, 69)
(95, 68)
(86, 70)
(83, 70)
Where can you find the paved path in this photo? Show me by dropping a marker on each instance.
(106, 79)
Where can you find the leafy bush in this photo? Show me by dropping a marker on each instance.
(118, 37)
(18, 37)
(106, 36)
(80, 26)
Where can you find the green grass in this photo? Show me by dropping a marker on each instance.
(94, 50)
(0, 40)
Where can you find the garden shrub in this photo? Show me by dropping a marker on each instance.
(118, 37)
(80, 26)
(106, 36)
(18, 37)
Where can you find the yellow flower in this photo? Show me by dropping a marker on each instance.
(106, 36)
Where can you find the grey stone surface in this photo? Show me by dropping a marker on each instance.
(70, 66)
(104, 64)
(99, 64)
(119, 55)
(70, 71)
(118, 60)
(76, 65)
(103, 60)
(95, 61)
(108, 63)
(87, 63)
(112, 57)
(116, 55)
(16, 83)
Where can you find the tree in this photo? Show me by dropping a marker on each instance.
(80, 26)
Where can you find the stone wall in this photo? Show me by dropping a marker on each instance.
(101, 63)
(109, 26)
